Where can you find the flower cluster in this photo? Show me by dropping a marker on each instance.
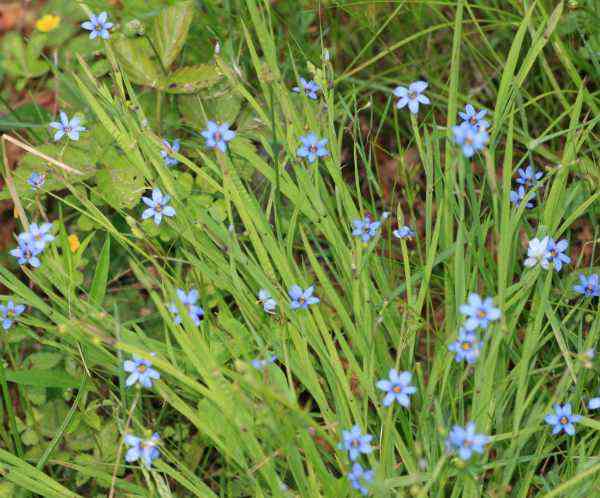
(548, 253)
(32, 244)
(528, 179)
(356, 444)
(471, 135)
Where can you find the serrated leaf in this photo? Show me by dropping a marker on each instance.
(98, 287)
(121, 186)
(171, 29)
(190, 79)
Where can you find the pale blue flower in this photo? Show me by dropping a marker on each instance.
(264, 297)
(594, 403)
(157, 206)
(70, 127)
(412, 96)
(302, 299)
(536, 251)
(360, 478)
(98, 25)
(36, 180)
(310, 88)
(140, 372)
(479, 312)
(517, 196)
(404, 232)
(195, 312)
(555, 256)
(356, 443)
(562, 419)
(217, 136)
(37, 235)
(467, 347)
(9, 312)
(168, 150)
(528, 177)
(365, 228)
(397, 388)
(27, 253)
(465, 441)
(312, 147)
(473, 117)
(588, 286)
(260, 364)
(470, 139)
(139, 449)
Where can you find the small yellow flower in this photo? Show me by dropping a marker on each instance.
(47, 23)
(73, 242)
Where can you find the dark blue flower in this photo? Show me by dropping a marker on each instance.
(168, 150)
(516, 197)
(397, 388)
(473, 117)
(157, 206)
(528, 177)
(310, 88)
(562, 419)
(312, 147)
(140, 371)
(9, 312)
(365, 228)
(195, 312)
(146, 450)
(412, 96)
(217, 136)
(98, 25)
(588, 286)
(360, 478)
(302, 299)
(467, 347)
(479, 312)
(555, 256)
(470, 138)
(72, 128)
(356, 443)
(36, 180)
(465, 441)
(27, 253)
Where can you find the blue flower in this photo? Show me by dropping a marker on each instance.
(594, 403)
(360, 478)
(27, 253)
(555, 254)
(397, 388)
(479, 312)
(169, 149)
(365, 228)
(217, 136)
(473, 117)
(465, 441)
(37, 236)
(471, 139)
(145, 450)
(98, 26)
(355, 443)
(517, 196)
(412, 96)
(264, 297)
(36, 180)
(467, 347)
(72, 128)
(588, 286)
(157, 206)
(196, 313)
(310, 88)
(259, 364)
(302, 298)
(404, 232)
(312, 147)
(528, 177)
(562, 419)
(10, 312)
(140, 371)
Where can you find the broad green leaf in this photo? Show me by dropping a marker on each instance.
(121, 186)
(171, 29)
(190, 79)
(134, 56)
(41, 377)
(98, 288)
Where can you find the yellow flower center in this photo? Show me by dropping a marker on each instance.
(47, 23)
(481, 314)
(466, 346)
(397, 389)
(142, 368)
(563, 420)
